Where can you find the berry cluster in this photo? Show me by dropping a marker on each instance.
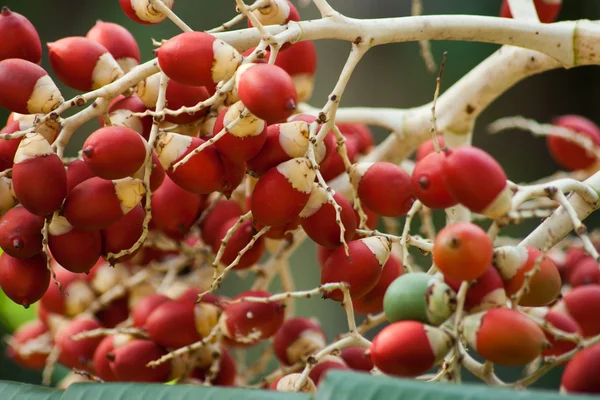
(208, 160)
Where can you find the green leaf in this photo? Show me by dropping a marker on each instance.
(343, 385)
(13, 315)
(133, 391)
(23, 391)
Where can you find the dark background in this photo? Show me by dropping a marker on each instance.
(391, 76)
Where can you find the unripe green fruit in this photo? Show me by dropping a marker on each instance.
(419, 297)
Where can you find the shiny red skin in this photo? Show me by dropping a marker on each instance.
(484, 285)
(546, 12)
(77, 250)
(116, 39)
(333, 165)
(21, 233)
(101, 362)
(234, 175)
(78, 354)
(130, 362)
(237, 242)
(212, 222)
(188, 58)
(386, 189)
(570, 155)
(114, 152)
(357, 359)
(73, 60)
(173, 316)
(133, 104)
(359, 133)
(20, 38)
(581, 373)
(322, 227)
(270, 155)
(239, 149)
(372, 302)
(583, 305)
(204, 173)
(402, 349)
(114, 313)
(428, 182)
(24, 333)
(24, 281)
(53, 300)
(268, 92)
(586, 272)
(318, 372)
(323, 254)
(266, 317)
(17, 79)
(427, 147)
(174, 210)
(227, 371)
(299, 58)
(93, 205)
(77, 172)
(564, 323)
(179, 95)
(572, 257)
(274, 201)
(40, 184)
(473, 177)
(8, 148)
(145, 306)
(123, 234)
(291, 330)
(361, 270)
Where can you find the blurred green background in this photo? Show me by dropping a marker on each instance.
(391, 76)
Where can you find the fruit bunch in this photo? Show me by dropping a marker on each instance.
(208, 161)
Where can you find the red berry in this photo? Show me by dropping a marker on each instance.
(21, 39)
(486, 292)
(583, 305)
(219, 213)
(547, 10)
(179, 95)
(278, 12)
(8, 148)
(80, 294)
(372, 302)
(31, 330)
(245, 140)
(581, 373)
(102, 365)
(428, 147)
(21, 233)
(145, 306)
(297, 339)
(227, 371)
(24, 281)
(173, 316)
(571, 155)
(361, 134)
(77, 172)
(240, 239)
(120, 113)
(299, 60)
(319, 371)
(129, 364)
(428, 182)
(123, 234)
(357, 359)
(75, 249)
(333, 164)
(118, 41)
(586, 272)
(78, 354)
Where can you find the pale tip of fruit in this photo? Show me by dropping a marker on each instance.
(380, 247)
(298, 173)
(318, 197)
(79, 299)
(170, 147)
(33, 145)
(357, 171)
(508, 260)
(495, 298)
(106, 71)
(501, 204)
(293, 138)
(248, 126)
(470, 327)
(45, 96)
(147, 90)
(288, 384)
(226, 60)
(439, 341)
(305, 84)
(129, 191)
(59, 226)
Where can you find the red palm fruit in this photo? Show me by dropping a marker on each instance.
(428, 182)
(83, 64)
(97, 203)
(103, 276)
(157, 176)
(323, 254)
(333, 165)
(372, 302)
(547, 10)
(145, 306)
(357, 359)
(569, 154)
(219, 213)
(361, 134)
(202, 174)
(179, 95)
(249, 322)
(287, 383)
(114, 152)
(8, 148)
(559, 321)
(267, 91)
(198, 59)
(276, 12)
(428, 147)
(227, 371)
(120, 113)
(123, 234)
(75, 249)
(282, 192)
(27, 88)
(245, 140)
(7, 195)
(573, 256)
(103, 352)
(581, 373)
(21, 39)
(118, 41)
(319, 220)
(77, 172)
(505, 336)
(465, 171)
(21, 233)
(129, 364)
(143, 12)
(284, 142)
(372, 218)
(298, 338)
(299, 60)
(319, 371)
(329, 142)
(28, 331)
(114, 313)
(583, 305)
(38, 176)
(408, 348)
(361, 270)
(462, 251)
(513, 262)
(234, 175)
(383, 187)
(586, 272)
(173, 316)
(78, 354)
(80, 294)
(174, 210)
(240, 239)
(486, 292)
(279, 232)
(48, 129)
